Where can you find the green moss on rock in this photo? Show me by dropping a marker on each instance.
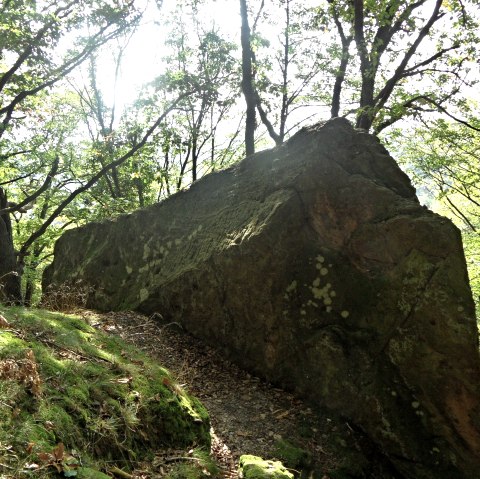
(254, 467)
(291, 455)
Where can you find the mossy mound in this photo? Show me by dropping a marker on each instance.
(254, 467)
(72, 397)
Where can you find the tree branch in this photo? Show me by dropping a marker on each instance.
(410, 71)
(46, 184)
(40, 231)
(58, 73)
(387, 90)
(35, 40)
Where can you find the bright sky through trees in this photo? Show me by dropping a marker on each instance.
(145, 50)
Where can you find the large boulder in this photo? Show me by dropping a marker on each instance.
(313, 265)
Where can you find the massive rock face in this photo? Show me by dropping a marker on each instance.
(313, 265)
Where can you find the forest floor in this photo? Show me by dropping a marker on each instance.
(248, 415)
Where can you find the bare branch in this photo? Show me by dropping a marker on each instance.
(6, 156)
(411, 70)
(46, 184)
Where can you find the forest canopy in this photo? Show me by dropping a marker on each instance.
(107, 106)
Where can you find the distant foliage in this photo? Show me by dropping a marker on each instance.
(443, 159)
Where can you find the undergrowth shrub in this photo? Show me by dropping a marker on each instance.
(67, 297)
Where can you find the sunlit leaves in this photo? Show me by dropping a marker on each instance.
(41, 43)
(444, 161)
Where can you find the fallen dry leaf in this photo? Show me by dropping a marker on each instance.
(59, 451)
(282, 415)
(127, 380)
(3, 322)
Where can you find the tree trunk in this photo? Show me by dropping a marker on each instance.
(10, 279)
(247, 81)
(366, 114)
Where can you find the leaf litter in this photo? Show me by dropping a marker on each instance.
(248, 415)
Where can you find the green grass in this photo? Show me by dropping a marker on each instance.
(106, 402)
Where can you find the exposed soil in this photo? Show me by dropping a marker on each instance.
(248, 416)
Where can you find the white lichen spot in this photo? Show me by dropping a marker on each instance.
(415, 404)
(327, 301)
(317, 293)
(161, 250)
(200, 227)
(169, 244)
(292, 286)
(178, 242)
(285, 296)
(329, 309)
(129, 269)
(316, 282)
(323, 271)
(435, 449)
(143, 294)
(333, 294)
(460, 309)
(344, 314)
(303, 312)
(394, 394)
(320, 258)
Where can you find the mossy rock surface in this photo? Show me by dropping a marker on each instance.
(72, 394)
(254, 467)
(292, 455)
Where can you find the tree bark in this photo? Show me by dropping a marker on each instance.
(367, 70)
(247, 81)
(342, 69)
(10, 285)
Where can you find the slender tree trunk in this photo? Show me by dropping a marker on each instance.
(337, 88)
(10, 273)
(247, 81)
(340, 76)
(195, 153)
(286, 61)
(367, 70)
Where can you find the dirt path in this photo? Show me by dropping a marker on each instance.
(248, 416)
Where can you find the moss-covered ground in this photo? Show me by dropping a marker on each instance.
(75, 401)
